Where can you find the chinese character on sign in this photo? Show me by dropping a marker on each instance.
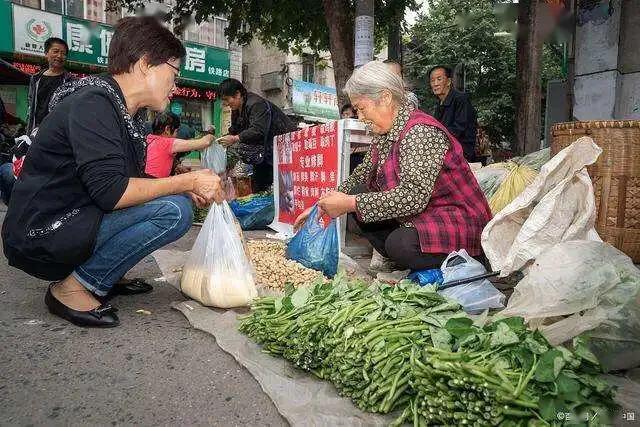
(629, 416)
(319, 160)
(225, 73)
(195, 60)
(312, 161)
(323, 176)
(218, 71)
(105, 41)
(78, 38)
(332, 176)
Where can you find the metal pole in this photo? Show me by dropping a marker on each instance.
(363, 34)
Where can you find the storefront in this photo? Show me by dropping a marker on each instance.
(195, 101)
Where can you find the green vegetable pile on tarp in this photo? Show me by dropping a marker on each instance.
(407, 349)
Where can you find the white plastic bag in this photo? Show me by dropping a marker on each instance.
(558, 206)
(218, 272)
(476, 296)
(594, 284)
(214, 157)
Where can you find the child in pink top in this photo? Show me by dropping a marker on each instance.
(162, 145)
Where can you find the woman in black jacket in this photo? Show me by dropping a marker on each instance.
(254, 123)
(83, 212)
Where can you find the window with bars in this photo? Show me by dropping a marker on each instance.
(308, 68)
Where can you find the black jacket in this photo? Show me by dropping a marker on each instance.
(76, 170)
(458, 115)
(32, 99)
(258, 121)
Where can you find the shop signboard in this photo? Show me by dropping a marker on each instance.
(205, 63)
(306, 166)
(88, 41)
(31, 28)
(89, 44)
(315, 100)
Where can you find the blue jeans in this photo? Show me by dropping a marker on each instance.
(128, 235)
(6, 182)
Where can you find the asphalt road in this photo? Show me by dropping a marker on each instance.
(154, 369)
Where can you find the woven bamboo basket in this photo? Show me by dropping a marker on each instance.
(615, 176)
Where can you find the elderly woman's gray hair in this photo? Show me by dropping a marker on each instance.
(372, 79)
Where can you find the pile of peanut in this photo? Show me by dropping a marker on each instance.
(274, 270)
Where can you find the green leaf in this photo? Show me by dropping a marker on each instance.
(441, 338)
(289, 289)
(549, 366)
(374, 315)
(287, 305)
(300, 296)
(503, 336)
(516, 324)
(550, 408)
(582, 351)
(278, 304)
(535, 346)
(459, 326)
(568, 388)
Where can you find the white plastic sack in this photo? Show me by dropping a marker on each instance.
(558, 206)
(476, 296)
(218, 272)
(594, 284)
(214, 157)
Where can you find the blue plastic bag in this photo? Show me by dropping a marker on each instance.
(314, 246)
(256, 214)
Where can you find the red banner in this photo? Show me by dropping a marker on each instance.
(308, 165)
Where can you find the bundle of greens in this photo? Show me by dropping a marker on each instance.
(504, 374)
(407, 349)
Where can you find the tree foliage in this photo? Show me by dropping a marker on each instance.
(463, 31)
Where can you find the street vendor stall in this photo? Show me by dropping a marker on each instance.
(307, 164)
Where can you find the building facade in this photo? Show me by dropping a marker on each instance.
(303, 86)
(87, 27)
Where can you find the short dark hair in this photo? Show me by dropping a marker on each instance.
(137, 36)
(346, 107)
(55, 40)
(229, 87)
(447, 70)
(163, 120)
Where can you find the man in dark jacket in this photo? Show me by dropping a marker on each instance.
(44, 83)
(254, 123)
(454, 110)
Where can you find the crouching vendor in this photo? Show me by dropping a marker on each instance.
(414, 195)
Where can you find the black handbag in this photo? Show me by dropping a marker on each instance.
(251, 153)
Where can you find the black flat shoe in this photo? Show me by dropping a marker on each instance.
(101, 317)
(131, 287)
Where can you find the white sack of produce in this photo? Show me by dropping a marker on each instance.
(218, 272)
(594, 284)
(558, 206)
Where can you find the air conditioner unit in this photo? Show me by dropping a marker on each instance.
(272, 81)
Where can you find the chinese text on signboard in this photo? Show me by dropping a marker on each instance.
(307, 163)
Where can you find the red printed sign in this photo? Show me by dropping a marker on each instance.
(307, 166)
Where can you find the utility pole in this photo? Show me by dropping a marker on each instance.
(364, 40)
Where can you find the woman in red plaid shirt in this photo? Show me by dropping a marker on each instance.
(414, 195)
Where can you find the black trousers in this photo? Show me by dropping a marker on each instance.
(262, 178)
(400, 244)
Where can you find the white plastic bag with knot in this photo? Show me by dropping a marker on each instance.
(559, 205)
(584, 287)
(218, 272)
(214, 157)
(476, 296)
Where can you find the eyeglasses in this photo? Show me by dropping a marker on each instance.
(175, 68)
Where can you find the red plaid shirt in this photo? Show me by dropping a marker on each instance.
(457, 210)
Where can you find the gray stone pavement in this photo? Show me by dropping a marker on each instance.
(152, 370)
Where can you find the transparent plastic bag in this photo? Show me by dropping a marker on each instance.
(218, 272)
(315, 246)
(597, 287)
(214, 157)
(476, 296)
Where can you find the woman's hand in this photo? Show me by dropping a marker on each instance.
(199, 201)
(336, 204)
(302, 218)
(208, 186)
(228, 140)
